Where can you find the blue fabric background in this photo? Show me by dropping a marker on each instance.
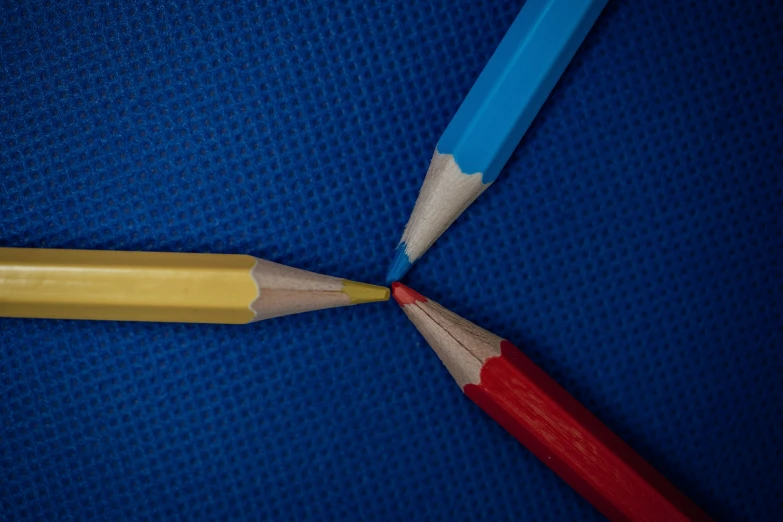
(632, 247)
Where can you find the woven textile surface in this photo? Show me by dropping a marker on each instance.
(632, 247)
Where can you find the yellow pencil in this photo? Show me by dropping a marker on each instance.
(158, 286)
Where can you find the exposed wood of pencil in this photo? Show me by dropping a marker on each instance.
(546, 419)
(158, 286)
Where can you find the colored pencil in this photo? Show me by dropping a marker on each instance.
(159, 286)
(494, 116)
(545, 418)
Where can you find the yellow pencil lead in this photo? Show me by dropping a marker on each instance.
(364, 293)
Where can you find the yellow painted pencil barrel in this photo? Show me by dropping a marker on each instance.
(158, 286)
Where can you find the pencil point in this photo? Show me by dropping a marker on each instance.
(405, 296)
(364, 293)
(399, 266)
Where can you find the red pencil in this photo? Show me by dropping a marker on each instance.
(546, 419)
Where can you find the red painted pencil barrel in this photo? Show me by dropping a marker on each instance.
(574, 443)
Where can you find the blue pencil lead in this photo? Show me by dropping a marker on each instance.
(399, 266)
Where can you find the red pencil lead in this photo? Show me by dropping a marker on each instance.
(405, 296)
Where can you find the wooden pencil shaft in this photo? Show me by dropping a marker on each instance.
(159, 286)
(546, 419)
(493, 117)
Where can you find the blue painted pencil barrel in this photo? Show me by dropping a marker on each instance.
(515, 83)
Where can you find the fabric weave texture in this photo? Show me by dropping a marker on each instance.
(632, 248)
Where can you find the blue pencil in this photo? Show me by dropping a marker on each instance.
(493, 117)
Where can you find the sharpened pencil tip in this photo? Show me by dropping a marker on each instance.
(364, 293)
(399, 266)
(405, 296)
